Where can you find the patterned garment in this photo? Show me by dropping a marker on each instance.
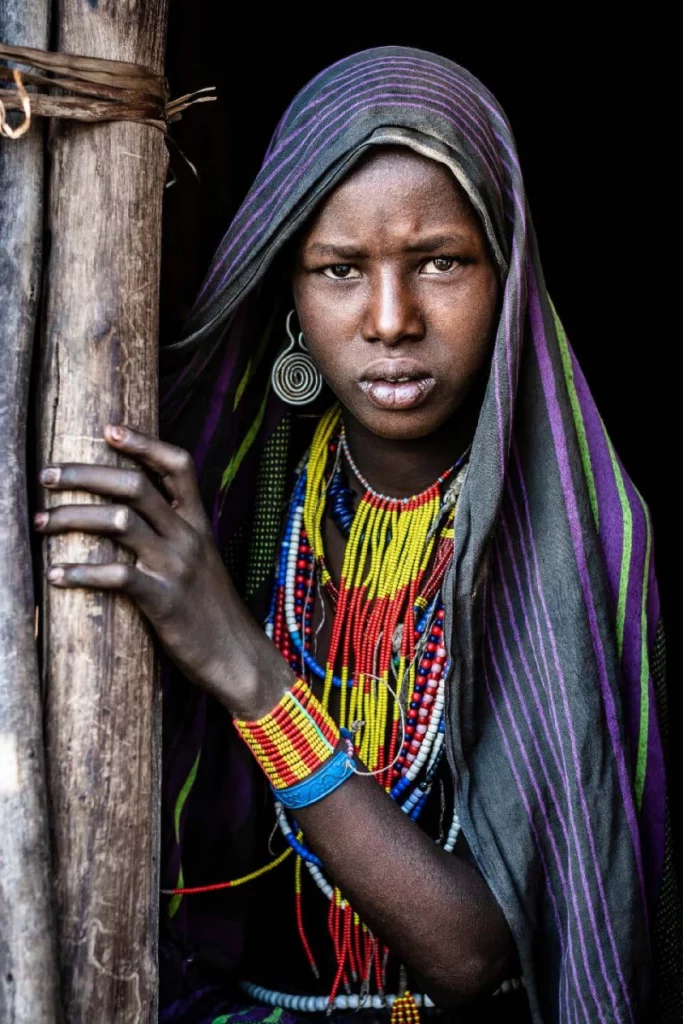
(552, 602)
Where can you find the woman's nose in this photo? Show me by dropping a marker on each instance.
(392, 314)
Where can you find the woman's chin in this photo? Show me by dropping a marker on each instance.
(399, 424)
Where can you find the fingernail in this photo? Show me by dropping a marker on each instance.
(40, 519)
(50, 476)
(116, 433)
(55, 574)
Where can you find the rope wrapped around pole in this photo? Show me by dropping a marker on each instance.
(89, 89)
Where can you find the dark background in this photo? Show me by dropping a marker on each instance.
(581, 103)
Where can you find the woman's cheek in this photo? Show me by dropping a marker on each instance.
(336, 370)
(469, 326)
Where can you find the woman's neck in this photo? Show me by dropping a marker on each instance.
(402, 468)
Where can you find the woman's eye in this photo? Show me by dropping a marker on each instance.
(439, 265)
(341, 271)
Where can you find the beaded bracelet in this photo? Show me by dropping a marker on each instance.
(321, 783)
(295, 741)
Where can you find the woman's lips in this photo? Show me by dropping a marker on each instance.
(397, 394)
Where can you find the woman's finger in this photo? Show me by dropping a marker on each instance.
(130, 485)
(117, 521)
(174, 465)
(107, 576)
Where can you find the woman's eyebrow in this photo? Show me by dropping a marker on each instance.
(351, 251)
(430, 243)
(333, 249)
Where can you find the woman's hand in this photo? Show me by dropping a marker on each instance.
(178, 579)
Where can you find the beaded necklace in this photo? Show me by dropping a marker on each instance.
(387, 658)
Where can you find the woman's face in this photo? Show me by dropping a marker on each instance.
(396, 293)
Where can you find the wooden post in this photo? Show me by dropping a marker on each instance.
(99, 365)
(28, 951)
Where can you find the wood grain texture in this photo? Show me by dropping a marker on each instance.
(28, 949)
(99, 365)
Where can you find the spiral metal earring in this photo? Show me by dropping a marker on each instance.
(294, 376)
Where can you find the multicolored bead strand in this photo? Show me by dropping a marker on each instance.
(294, 740)
(386, 652)
(319, 1004)
(353, 1001)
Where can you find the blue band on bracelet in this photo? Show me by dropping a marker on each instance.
(324, 781)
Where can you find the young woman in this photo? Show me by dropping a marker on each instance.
(438, 769)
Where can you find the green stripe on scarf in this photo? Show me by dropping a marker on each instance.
(228, 1018)
(626, 553)
(627, 543)
(577, 415)
(175, 900)
(624, 577)
(644, 730)
(251, 368)
(236, 461)
(180, 803)
(242, 386)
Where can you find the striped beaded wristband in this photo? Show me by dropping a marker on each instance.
(294, 740)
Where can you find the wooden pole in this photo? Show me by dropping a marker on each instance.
(99, 365)
(28, 950)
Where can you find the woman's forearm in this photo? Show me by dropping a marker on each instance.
(431, 908)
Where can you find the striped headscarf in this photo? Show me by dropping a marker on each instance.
(551, 600)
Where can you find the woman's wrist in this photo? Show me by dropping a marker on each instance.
(299, 747)
(250, 683)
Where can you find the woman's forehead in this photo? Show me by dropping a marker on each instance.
(397, 166)
(393, 187)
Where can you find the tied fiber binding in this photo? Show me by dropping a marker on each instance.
(91, 89)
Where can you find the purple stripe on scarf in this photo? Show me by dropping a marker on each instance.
(216, 403)
(611, 523)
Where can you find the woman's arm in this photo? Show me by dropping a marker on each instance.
(431, 908)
